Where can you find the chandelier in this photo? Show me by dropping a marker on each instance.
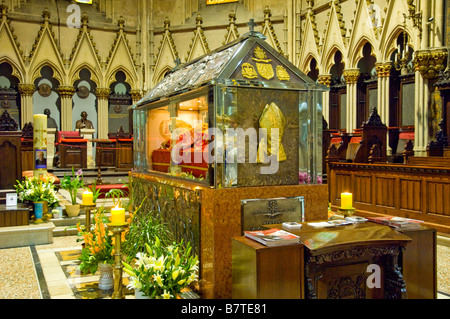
(402, 57)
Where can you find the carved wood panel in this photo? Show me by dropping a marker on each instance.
(384, 191)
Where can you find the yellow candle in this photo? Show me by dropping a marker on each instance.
(117, 215)
(40, 130)
(346, 200)
(87, 198)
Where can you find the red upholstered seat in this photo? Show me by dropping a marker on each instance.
(105, 188)
(406, 136)
(64, 134)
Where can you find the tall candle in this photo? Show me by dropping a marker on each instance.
(87, 198)
(40, 144)
(346, 200)
(117, 215)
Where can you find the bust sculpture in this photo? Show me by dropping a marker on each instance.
(84, 122)
(51, 123)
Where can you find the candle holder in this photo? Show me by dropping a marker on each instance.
(88, 209)
(117, 230)
(346, 212)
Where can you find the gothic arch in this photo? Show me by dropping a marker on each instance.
(328, 59)
(389, 46)
(307, 62)
(111, 77)
(94, 74)
(158, 77)
(357, 53)
(57, 73)
(17, 71)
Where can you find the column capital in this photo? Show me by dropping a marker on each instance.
(26, 89)
(430, 62)
(102, 93)
(135, 95)
(351, 76)
(383, 69)
(324, 79)
(66, 91)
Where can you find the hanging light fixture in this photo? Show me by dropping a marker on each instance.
(402, 57)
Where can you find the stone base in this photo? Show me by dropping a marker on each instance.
(33, 234)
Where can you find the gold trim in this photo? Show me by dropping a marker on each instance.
(282, 74)
(248, 71)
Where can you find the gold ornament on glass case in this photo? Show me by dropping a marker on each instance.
(248, 71)
(264, 69)
(271, 118)
(282, 74)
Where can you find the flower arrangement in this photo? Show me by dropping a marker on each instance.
(37, 190)
(72, 184)
(162, 272)
(99, 243)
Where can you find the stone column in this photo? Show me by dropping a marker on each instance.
(325, 79)
(26, 100)
(66, 93)
(351, 79)
(428, 63)
(88, 134)
(383, 72)
(102, 116)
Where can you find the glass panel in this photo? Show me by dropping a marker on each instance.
(174, 138)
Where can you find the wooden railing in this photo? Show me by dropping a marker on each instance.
(413, 191)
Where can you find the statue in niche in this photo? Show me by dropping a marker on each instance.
(84, 122)
(51, 123)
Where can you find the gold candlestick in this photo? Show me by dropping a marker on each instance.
(346, 212)
(117, 230)
(88, 209)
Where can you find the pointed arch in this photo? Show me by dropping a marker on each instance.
(305, 68)
(328, 58)
(356, 54)
(17, 71)
(57, 73)
(111, 76)
(95, 76)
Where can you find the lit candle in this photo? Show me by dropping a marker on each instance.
(346, 200)
(117, 215)
(87, 198)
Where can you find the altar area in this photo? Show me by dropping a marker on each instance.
(226, 143)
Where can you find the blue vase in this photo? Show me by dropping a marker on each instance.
(39, 211)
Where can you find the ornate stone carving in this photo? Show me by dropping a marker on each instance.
(351, 76)
(7, 123)
(66, 91)
(102, 93)
(324, 79)
(135, 95)
(430, 62)
(26, 89)
(383, 69)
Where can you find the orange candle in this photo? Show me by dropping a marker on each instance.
(117, 215)
(346, 200)
(87, 198)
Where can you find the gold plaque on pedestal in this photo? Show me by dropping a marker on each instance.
(259, 212)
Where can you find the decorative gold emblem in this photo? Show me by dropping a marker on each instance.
(271, 118)
(248, 71)
(265, 70)
(260, 55)
(282, 74)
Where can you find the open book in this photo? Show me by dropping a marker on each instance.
(272, 237)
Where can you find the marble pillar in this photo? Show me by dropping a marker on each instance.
(88, 134)
(26, 100)
(351, 79)
(325, 79)
(102, 115)
(66, 93)
(383, 73)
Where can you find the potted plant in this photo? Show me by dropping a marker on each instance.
(143, 229)
(98, 251)
(41, 193)
(162, 272)
(72, 184)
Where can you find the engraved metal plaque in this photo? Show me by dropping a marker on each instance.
(259, 212)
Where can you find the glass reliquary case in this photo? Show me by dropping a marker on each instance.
(242, 115)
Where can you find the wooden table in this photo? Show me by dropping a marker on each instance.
(338, 261)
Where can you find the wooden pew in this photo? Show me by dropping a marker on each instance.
(417, 190)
